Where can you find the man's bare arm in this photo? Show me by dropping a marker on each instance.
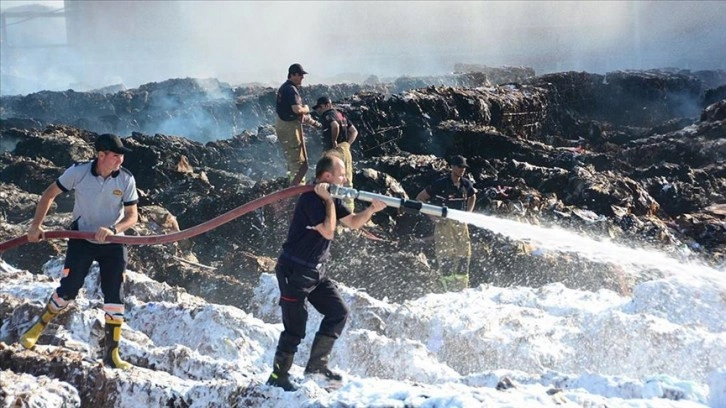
(334, 132)
(358, 220)
(470, 203)
(41, 210)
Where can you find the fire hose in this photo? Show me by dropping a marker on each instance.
(175, 236)
(335, 191)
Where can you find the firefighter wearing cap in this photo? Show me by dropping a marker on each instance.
(451, 238)
(105, 202)
(338, 134)
(291, 114)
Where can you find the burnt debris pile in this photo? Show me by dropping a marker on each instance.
(638, 157)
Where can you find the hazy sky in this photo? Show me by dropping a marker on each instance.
(91, 44)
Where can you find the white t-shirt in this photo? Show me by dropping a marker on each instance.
(98, 202)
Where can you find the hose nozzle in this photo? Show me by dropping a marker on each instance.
(342, 192)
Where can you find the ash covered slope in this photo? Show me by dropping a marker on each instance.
(490, 345)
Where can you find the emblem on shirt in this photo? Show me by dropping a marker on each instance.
(118, 192)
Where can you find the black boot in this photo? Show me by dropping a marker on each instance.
(280, 367)
(319, 356)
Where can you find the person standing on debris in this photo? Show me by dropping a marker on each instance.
(105, 203)
(451, 238)
(338, 134)
(301, 273)
(291, 114)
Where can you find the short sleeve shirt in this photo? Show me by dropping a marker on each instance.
(330, 116)
(443, 192)
(303, 242)
(287, 96)
(98, 202)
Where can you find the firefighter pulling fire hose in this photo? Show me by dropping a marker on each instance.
(175, 236)
(335, 190)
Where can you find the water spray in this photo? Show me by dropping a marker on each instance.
(351, 193)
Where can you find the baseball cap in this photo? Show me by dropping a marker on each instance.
(323, 100)
(458, 161)
(108, 142)
(296, 69)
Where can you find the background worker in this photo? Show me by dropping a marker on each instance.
(301, 274)
(338, 134)
(291, 114)
(451, 238)
(105, 202)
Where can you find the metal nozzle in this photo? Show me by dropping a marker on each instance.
(342, 192)
(347, 192)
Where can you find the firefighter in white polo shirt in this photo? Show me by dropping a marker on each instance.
(106, 204)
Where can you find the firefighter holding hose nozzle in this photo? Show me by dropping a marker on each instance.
(301, 273)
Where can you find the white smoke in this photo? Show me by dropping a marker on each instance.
(137, 42)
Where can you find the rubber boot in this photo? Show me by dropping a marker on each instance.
(280, 376)
(113, 336)
(319, 357)
(30, 337)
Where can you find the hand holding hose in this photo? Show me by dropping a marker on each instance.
(35, 233)
(321, 189)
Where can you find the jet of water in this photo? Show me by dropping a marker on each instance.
(596, 250)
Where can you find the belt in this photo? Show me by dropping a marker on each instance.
(300, 261)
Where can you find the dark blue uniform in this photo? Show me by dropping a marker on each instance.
(443, 192)
(287, 96)
(301, 275)
(328, 117)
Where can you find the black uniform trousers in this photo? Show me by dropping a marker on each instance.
(80, 255)
(304, 282)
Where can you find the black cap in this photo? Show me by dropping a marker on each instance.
(296, 69)
(323, 100)
(108, 142)
(458, 161)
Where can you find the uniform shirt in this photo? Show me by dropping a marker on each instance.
(330, 116)
(98, 202)
(287, 96)
(303, 243)
(443, 192)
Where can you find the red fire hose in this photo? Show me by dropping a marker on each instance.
(175, 236)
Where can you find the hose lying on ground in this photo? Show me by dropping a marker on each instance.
(175, 236)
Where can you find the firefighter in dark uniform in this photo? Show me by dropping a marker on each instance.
(291, 114)
(338, 134)
(105, 202)
(301, 273)
(451, 238)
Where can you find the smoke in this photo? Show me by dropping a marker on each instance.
(100, 43)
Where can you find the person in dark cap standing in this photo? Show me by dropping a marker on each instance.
(451, 238)
(105, 203)
(292, 113)
(338, 134)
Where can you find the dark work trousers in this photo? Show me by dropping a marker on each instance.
(111, 260)
(298, 283)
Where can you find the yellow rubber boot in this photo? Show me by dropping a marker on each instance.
(113, 336)
(30, 337)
